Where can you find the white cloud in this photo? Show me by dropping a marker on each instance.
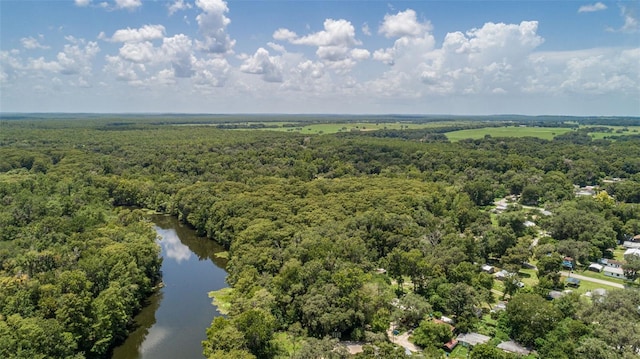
(263, 64)
(211, 72)
(365, 29)
(145, 33)
(82, 3)
(123, 70)
(385, 56)
(32, 43)
(360, 54)
(178, 51)
(595, 71)
(284, 35)
(336, 33)
(403, 24)
(276, 47)
(335, 44)
(75, 59)
(593, 7)
(139, 52)
(212, 23)
(178, 5)
(414, 39)
(128, 4)
(631, 24)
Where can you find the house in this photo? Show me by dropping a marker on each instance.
(615, 272)
(573, 282)
(631, 244)
(502, 275)
(488, 269)
(448, 346)
(513, 347)
(595, 267)
(472, 339)
(632, 251)
(597, 292)
(611, 263)
(529, 224)
(568, 262)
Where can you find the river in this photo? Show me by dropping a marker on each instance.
(174, 322)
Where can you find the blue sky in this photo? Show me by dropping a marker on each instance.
(416, 57)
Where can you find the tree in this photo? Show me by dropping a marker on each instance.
(257, 328)
(411, 309)
(487, 351)
(632, 266)
(549, 268)
(430, 333)
(222, 336)
(529, 316)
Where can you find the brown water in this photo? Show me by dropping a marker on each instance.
(174, 322)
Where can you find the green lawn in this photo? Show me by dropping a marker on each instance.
(591, 274)
(547, 133)
(588, 286)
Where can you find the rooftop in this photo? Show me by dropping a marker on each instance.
(473, 338)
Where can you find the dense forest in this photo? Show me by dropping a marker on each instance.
(330, 237)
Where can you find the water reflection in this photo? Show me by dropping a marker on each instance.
(172, 246)
(174, 322)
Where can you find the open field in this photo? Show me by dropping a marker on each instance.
(327, 128)
(616, 131)
(547, 133)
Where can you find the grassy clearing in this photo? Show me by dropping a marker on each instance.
(223, 255)
(460, 351)
(327, 128)
(588, 286)
(616, 131)
(547, 133)
(528, 276)
(222, 299)
(618, 253)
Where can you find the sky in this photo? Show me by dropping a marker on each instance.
(336, 57)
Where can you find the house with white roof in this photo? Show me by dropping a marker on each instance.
(614, 272)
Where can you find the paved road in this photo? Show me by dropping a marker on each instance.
(594, 280)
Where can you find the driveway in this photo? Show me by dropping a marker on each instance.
(402, 339)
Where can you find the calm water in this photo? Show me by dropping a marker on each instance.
(175, 321)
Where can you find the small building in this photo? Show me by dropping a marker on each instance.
(513, 347)
(630, 244)
(447, 320)
(499, 307)
(568, 262)
(595, 267)
(555, 294)
(488, 269)
(529, 224)
(573, 282)
(614, 272)
(632, 251)
(450, 345)
(612, 263)
(502, 275)
(473, 339)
